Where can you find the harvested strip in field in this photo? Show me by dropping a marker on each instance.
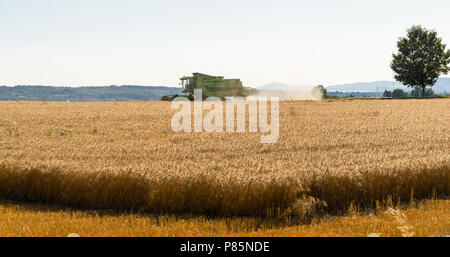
(430, 218)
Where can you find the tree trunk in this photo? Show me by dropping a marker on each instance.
(423, 91)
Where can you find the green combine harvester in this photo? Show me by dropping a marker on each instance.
(215, 86)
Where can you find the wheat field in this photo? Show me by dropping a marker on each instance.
(125, 156)
(429, 218)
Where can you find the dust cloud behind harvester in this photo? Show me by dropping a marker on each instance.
(287, 92)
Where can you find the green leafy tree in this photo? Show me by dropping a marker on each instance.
(323, 90)
(421, 58)
(416, 92)
(399, 93)
(387, 93)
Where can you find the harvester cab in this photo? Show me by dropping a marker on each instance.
(188, 84)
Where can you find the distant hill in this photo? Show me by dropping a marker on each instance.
(442, 86)
(85, 94)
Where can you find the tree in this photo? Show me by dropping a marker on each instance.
(428, 92)
(387, 93)
(399, 93)
(421, 58)
(323, 90)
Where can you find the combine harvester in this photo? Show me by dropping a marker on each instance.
(215, 86)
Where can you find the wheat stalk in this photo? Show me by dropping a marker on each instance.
(402, 222)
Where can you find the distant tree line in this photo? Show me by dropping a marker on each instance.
(416, 93)
(335, 94)
(85, 94)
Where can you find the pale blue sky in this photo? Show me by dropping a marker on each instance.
(103, 42)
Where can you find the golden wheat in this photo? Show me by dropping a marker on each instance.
(429, 218)
(125, 156)
(402, 223)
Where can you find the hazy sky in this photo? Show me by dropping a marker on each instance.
(148, 42)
